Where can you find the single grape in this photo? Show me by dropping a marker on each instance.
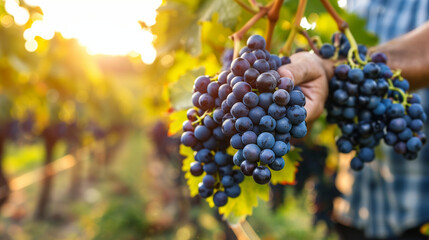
(227, 181)
(262, 175)
(233, 191)
(256, 42)
(265, 140)
(267, 123)
(239, 66)
(201, 84)
(249, 137)
(220, 198)
(204, 191)
(196, 169)
(209, 181)
(251, 152)
(251, 99)
(210, 168)
(266, 82)
(297, 98)
(265, 100)
(267, 156)
(240, 89)
(247, 167)
(366, 154)
(356, 164)
(188, 139)
(327, 50)
(299, 131)
(280, 148)
(261, 65)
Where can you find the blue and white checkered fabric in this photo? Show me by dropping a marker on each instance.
(391, 195)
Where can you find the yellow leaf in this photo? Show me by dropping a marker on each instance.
(287, 174)
(192, 181)
(242, 206)
(176, 120)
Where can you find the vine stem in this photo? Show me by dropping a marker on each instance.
(243, 231)
(273, 17)
(303, 32)
(286, 49)
(201, 118)
(238, 36)
(342, 25)
(245, 6)
(254, 4)
(404, 95)
(353, 47)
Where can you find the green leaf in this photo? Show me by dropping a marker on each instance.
(287, 174)
(242, 206)
(181, 91)
(228, 12)
(192, 181)
(176, 120)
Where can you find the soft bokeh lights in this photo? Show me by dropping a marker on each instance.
(103, 26)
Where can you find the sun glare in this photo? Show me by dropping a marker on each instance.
(103, 26)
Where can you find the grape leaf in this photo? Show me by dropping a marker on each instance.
(192, 181)
(239, 208)
(176, 120)
(228, 12)
(287, 174)
(181, 91)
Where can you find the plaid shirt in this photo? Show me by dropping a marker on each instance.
(390, 195)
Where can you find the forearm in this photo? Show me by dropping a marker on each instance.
(410, 53)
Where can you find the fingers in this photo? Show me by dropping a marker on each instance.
(308, 71)
(304, 67)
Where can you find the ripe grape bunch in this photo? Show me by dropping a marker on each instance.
(249, 107)
(370, 103)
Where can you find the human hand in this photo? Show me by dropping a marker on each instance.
(311, 73)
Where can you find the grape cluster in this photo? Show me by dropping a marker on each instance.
(261, 112)
(249, 107)
(370, 104)
(205, 137)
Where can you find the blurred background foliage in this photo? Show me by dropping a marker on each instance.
(111, 114)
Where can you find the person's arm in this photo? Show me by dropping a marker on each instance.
(410, 53)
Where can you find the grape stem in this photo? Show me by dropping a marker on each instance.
(245, 6)
(303, 32)
(397, 74)
(273, 17)
(286, 49)
(353, 48)
(238, 36)
(201, 118)
(404, 95)
(342, 25)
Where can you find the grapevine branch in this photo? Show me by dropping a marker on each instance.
(238, 36)
(286, 49)
(303, 32)
(273, 17)
(254, 4)
(245, 6)
(343, 26)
